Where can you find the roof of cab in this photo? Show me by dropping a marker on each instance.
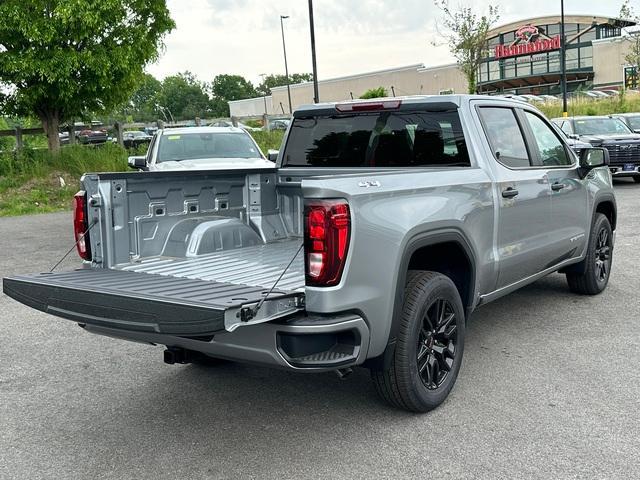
(456, 99)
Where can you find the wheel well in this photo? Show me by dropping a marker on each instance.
(609, 211)
(450, 259)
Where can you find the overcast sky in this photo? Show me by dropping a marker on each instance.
(352, 36)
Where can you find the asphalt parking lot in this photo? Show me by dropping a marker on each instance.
(549, 388)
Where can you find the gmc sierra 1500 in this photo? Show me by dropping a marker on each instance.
(383, 225)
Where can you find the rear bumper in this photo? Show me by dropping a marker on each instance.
(301, 343)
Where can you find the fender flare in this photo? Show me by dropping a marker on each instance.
(418, 241)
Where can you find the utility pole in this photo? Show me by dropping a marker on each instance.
(563, 61)
(286, 67)
(316, 95)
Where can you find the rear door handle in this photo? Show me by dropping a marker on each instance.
(556, 187)
(510, 192)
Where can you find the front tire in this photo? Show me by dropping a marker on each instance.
(636, 178)
(597, 266)
(429, 345)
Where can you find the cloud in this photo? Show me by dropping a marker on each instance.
(353, 36)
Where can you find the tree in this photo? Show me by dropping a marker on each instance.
(182, 96)
(375, 93)
(227, 88)
(275, 80)
(632, 58)
(465, 32)
(65, 58)
(142, 103)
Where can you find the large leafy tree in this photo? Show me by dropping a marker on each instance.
(64, 58)
(632, 37)
(182, 97)
(226, 88)
(274, 80)
(143, 103)
(465, 32)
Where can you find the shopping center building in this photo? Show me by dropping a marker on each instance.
(524, 57)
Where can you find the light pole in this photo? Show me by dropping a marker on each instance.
(563, 62)
(286, 67)
(316, 95)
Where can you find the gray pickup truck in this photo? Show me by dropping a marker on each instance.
(381, 228)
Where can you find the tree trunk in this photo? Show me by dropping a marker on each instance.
(51, 125)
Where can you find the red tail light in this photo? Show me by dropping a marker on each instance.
(327, 229)
(81, 224)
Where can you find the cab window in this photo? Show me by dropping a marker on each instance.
(505, 136)
(550, 148)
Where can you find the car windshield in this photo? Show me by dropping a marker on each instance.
(634, 122)
(137, 134)
(192, 146)
(601, 126)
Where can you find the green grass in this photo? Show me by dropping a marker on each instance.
(30, 181)
(584, 106)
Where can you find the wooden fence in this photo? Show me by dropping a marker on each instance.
(119, 128)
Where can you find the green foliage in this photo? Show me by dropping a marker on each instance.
(142, 106)
(586, 106)
(65, 58)
(182, 97)
(379, 92)
(30, 182)
(227, 88)
(268, 140)
(465, 32)
(276, 80)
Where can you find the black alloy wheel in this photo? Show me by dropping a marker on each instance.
(437, 343)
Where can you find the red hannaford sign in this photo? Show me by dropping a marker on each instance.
(527, 42)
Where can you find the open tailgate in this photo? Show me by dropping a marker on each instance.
(145, 302)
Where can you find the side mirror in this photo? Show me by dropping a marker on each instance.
(272, 155)
(594, 157)
(138, 162)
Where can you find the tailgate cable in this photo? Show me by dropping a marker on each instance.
(80, 238)
(247, 314)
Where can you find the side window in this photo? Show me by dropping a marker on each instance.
(505, 136)
(566, 128)
(552, 151)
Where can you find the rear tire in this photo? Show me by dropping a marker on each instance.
(597, 264)
(429, 345)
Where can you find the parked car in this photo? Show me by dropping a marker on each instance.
(279, 124)
(632, 120)
(135, 138)
(228, 124)
(611, 133)
(201, 148)
(369, 244)
(92, 137)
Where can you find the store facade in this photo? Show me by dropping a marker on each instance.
(524, 57)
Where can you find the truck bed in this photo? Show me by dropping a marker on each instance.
(256, 266)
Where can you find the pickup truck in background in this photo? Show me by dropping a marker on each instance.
(612, 133)
(383, 225)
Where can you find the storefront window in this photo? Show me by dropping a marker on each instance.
(509, 37)
(494, 70)
(540, 64)
(587, 36)
(554, 62)
(524, 69)
(586, 57)
(572, 59)
(553, 30)
(509, 69)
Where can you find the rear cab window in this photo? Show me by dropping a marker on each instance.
(387, 138)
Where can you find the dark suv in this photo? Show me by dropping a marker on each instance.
(611, 133)
(632, 120)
